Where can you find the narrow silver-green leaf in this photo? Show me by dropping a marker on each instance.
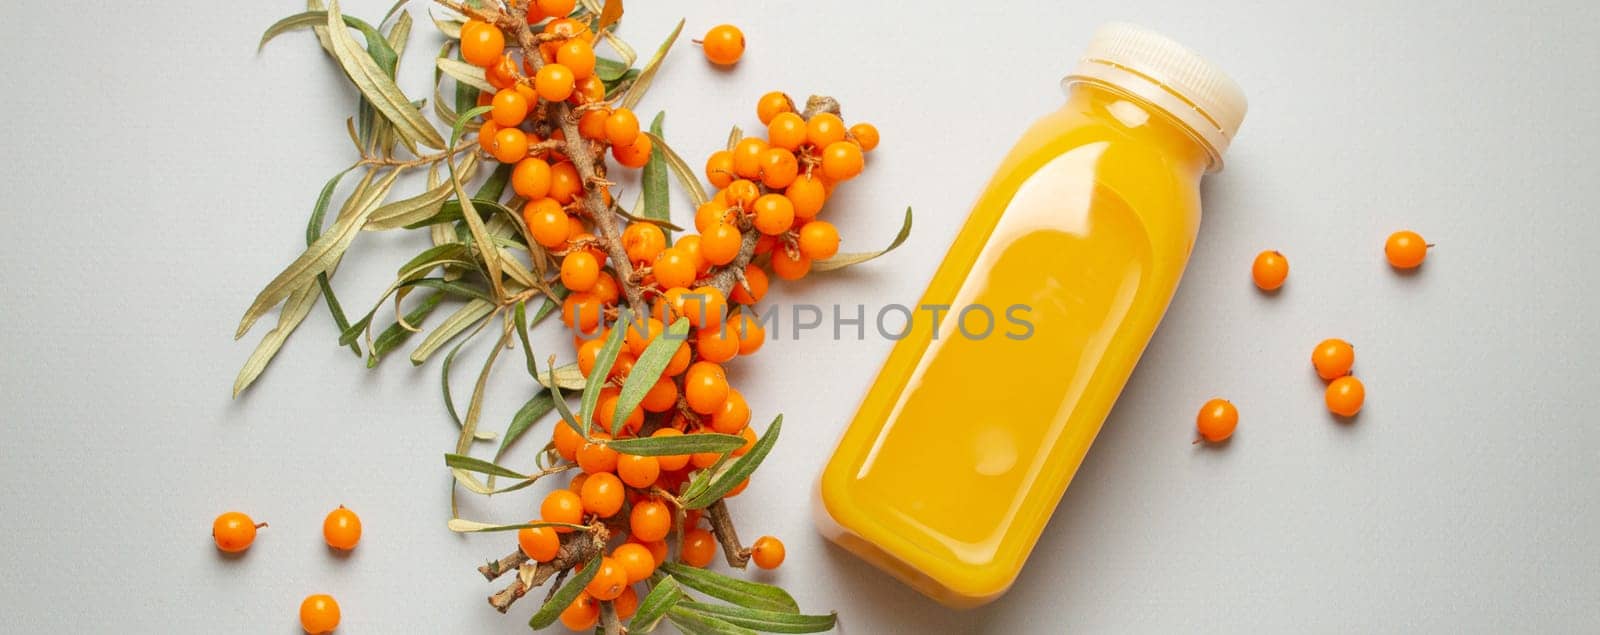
(609, 70)
(534, 409)
(465, 73)
(313, 232)
(680, 168)
(560, 402)
(655, 605)
(653, 179)
(564, 596)
(840, 261)
(463, 319)
(740, 592)
(567, 377)
(474, 222)
(464, 526)
(377, 87)
(647, 370)
(678, 444)
(603, 363)
(294, 311)
(404, 212)
(696, 623)
(469, 425)
(472, 464)
(392, 337)
(642, 83)
(762, 620)
(720, 481)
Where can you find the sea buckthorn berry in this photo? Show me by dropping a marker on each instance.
(555, 8)
(679, 362)
(582, 614)
(503, 73)
(528, 94)
(594, 457)
(606, 410)
(1345, 396)
(717, 345)
(747, 157)
(774, 214)
(1405, 249)
(510, 108)
(486, 134)
(807, 193)
(234, 531)
(1269, 270)
(578, 57)
(842, 161)
(710, 213)
(671, 462)
(567, 440)
(706, 387)
(751, 334)
(602, 494)
(609, 581)
(753, 288)
(562, 506)
(778, 168)
(690, 246)
(1216, 420)
(749, 435)
(628, 603)
(564, 182)
(481, 43)
(738, 489)
(768, 552)
(641, 333)
(576, 484)
(787, 130)
(790, 267)
(510, 145)
(643, 242)
(733, 416)
(622, 127)
(698, 547)
(588, 90)
(606, 288)
(589, 353)
(564, 29)
(651, 520)
(592, 124)
(635, 560)
(638, 471)
(531, 179)
(742, 193)
(634, 155)
(720, 245)
(341, 529)
(719, 169)
(824, 129)
(539, 543)
(661, 397)
(866, 136)
(724, 44)
(765, 244)
(704, 307)
(554, 82)
(819, 240)
(320, 613)
(579, 271)
(581, 312)
(485, 98)
(1333, 358)
(547, 223)
(673, 268)
(773, 104)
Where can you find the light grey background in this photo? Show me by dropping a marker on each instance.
(158, 172)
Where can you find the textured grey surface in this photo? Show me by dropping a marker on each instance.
(158, 172)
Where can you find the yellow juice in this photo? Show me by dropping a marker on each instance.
(1029, 329)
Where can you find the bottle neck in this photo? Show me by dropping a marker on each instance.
(1143, 120)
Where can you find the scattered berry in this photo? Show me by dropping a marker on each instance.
(341, 528)
(1405, 249)
(1269, 270)
(1216, 420)
(1333, 358)
(234, 531)
(319, 614)
(768, 552)
(723, 44)
(1345, 396)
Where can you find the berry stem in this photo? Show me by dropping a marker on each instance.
(608, 619)
(722, 527)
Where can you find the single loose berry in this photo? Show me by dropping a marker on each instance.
(774, 214)
(787, 130)
(698, 547)
(622, 127)
(768, 552)
(819, 240)
(1269, 270)
(582, 614)
(1333, 358)
(554, 82)
(1405, 249)
(341, 529)
(481, 43)
(773, 104)
(539, 543)
(1345, 396)
(562, 506)
(635, 560)
(650, 520)
(234, 531)
(723, 44)
(1216, 420)
(602, 494)
(319, 614)
(824, 129)
(638, 471)
(842, 161)
(866, 135)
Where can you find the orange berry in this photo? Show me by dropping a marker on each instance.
(787, 130)
(531, 179)
(679, 362)
(594, 457)
(564, 29)
(635, 561)
(609, 581)
(481, 43)
(768, 552)
(589, 89)
(320, 613)
(1333, 358)
(582, 614)
(602, 494)
(606, 409)
(643, 242)
(790, 267)
(576, 484)
(773, 104)
(1345, 396)
(564, 182)
(674, 268)
(1269, 270)
(592, 123)
(704, 307)
(510, 108)
(807, 193)
(661, 397)
(622, 127)
(562, 506)
(866, 135)
(581, 312)
(547, 223)
(1216, 420)
(733, 416)
(698, 547)
(554, 82)
(706, 387)
(842, 161)
(589, 353)
(721, 244)
(747, 157)
(555, 8)
(774, 214)
(751, 334)
(778, 168)
(502, 74)
(641, 332)
(765, 244)
(742, 193)
(634, 155)
(749, 435)
(723, 44)
(710, 213)
(486, 133)
(753, 288)
(824, 129)
(717, 345)
(650, 520)
(510, 145)
(539, 543)
(579, 271)
(638, 471)
(819, 240)
(671, 462)
(628, 603)
(234, 531)
(690, 245)
(1405, 249)
(578, 57)
(567, 440)
(341, 529)
(719, 168)
(606, 288)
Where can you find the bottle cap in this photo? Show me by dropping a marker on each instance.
(1169, 75)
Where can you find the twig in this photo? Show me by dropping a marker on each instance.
(722, 527)
(499, 567)
(576, 549)
(608, 619)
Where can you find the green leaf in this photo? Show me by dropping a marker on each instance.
(464, 526)
(841, 261)
(602, 364)
(400, 33)
(560, 402)
(519, 317)
(609, 70)
(294, 311)
(740, 592)
(647, 371)
(642, 84)
(654, 606)
(465, 73)
(378, 87)
(567, 376)
(536, 408)
(313, 232)
(469, 314)
(450, 211)
(378, 46)
(763, 620)
(486, 250)
(653, 179)
(680, 168)
(678, 444)
(695, 623)
(565, 595)
(495, 186)
(469, 424)
(719, 481)
(471, 464)
(451, 28)
(392, 337)
(407, 211)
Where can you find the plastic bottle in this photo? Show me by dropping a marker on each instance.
(970, 435)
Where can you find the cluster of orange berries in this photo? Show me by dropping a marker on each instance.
(234, 532)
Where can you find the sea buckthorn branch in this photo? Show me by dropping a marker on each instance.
(722, 527)
(576, 549)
